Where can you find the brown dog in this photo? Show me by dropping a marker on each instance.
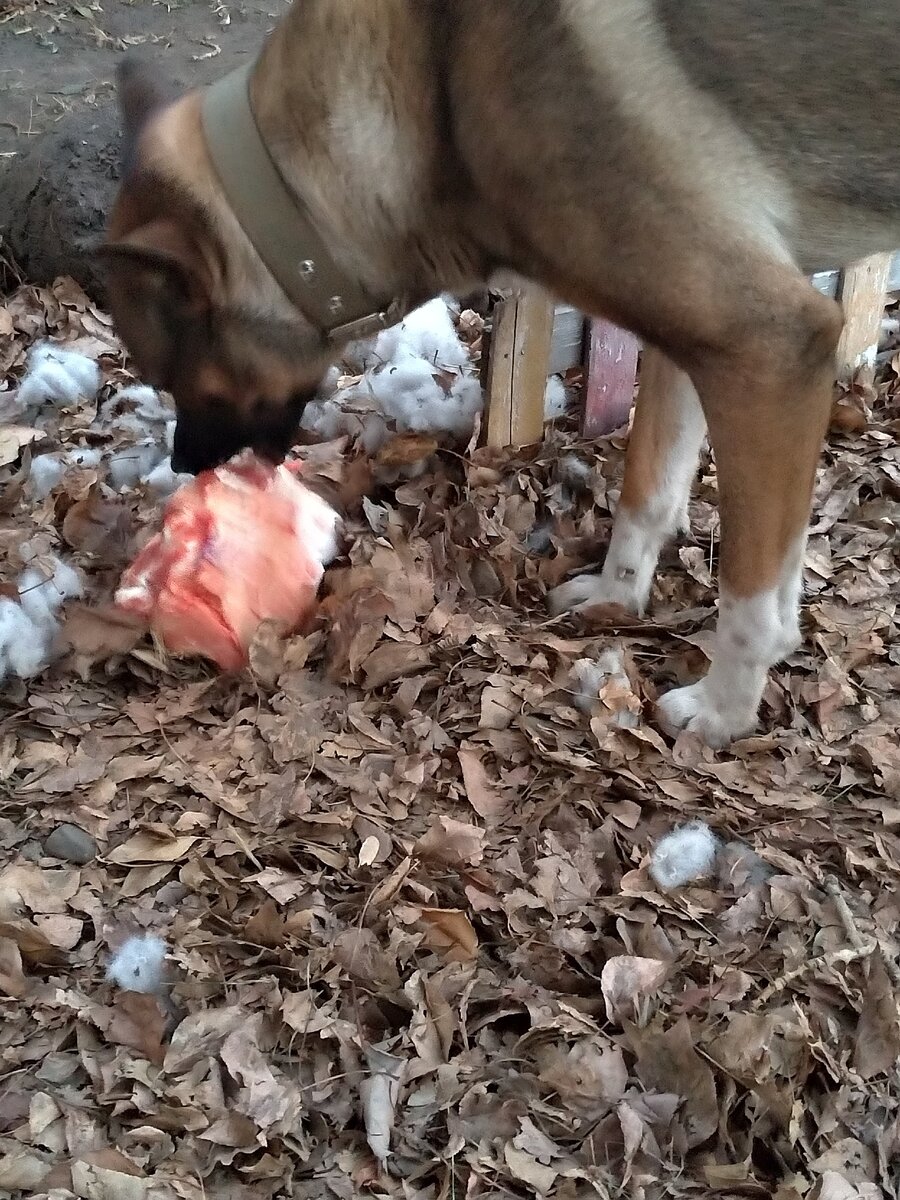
(675, 165)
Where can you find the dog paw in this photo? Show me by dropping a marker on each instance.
(715, 721)
(586, 590)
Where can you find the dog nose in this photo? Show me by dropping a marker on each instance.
(197, 446)
(184, 464)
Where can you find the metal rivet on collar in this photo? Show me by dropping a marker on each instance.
(336, 305)
(307, 269)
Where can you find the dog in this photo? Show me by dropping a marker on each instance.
(678, 166)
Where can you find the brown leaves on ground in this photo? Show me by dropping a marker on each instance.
(401, 875)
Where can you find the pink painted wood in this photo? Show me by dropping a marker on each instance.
(609, 385)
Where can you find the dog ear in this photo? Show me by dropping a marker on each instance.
(158, 281)
(140, 95)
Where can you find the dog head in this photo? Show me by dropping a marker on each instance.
(193, 303)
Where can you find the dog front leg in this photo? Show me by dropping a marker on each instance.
(660, 464)
(766, 402)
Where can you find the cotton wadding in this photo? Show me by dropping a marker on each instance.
(684, 856)
(48, 470)
(556, 399)
(416, 378)
(163, 480)
(86, 457)
(589, 676)
(127, 467)
(574, 473)
(28, 626)
(41, 596)
(23, 645)
(137, 965)
(57, 376)
(45, 473)
(145, 402)
(427, 332)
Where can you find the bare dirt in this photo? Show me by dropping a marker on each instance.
(59, 130)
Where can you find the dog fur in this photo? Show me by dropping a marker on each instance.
(674, 165)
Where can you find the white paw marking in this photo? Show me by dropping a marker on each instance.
(716, 721)
(586, 590)
(753, 634)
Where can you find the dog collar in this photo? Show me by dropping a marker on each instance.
(277, 222)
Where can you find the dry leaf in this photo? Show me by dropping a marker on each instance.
(668, 1062)
(406, 449)
(877, 1049)
(528, 1170)
(452, 842)
(146, 847)
(12, 979)
(450, 932)
(99, 1183)
(139, 1022)
(379, 1091)
(13, 438)
(627, 981)
(482, 795)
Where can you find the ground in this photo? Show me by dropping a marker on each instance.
(401, 865)
(57, 56)
(59, 130)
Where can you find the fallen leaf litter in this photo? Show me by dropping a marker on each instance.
(400, 868)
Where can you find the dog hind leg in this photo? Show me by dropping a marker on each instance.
(660, 464)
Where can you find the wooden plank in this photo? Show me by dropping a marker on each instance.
(518, 368)
(863, 294)
(829, 282)
(567, 343)
(611, 370)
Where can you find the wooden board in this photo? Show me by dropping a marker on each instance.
(609, 386)
(863, 294)
(567, 344)
(518, 366)
(829, 282)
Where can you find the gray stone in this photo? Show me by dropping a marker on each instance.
(71, 844)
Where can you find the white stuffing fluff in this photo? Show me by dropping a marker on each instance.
(574, 473)
(145, 403)
(138, 411)
(28, 627)
(128, 466)
(41, 596)
(57, 376)
(163, 480)
(137, 966)
(556, 399)
(401, 389)
(684, 856)
(589, 676)
(84, 456)
(48, 470)
(427, 332)
(23, 645)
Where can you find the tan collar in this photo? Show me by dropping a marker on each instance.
(277, 223)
